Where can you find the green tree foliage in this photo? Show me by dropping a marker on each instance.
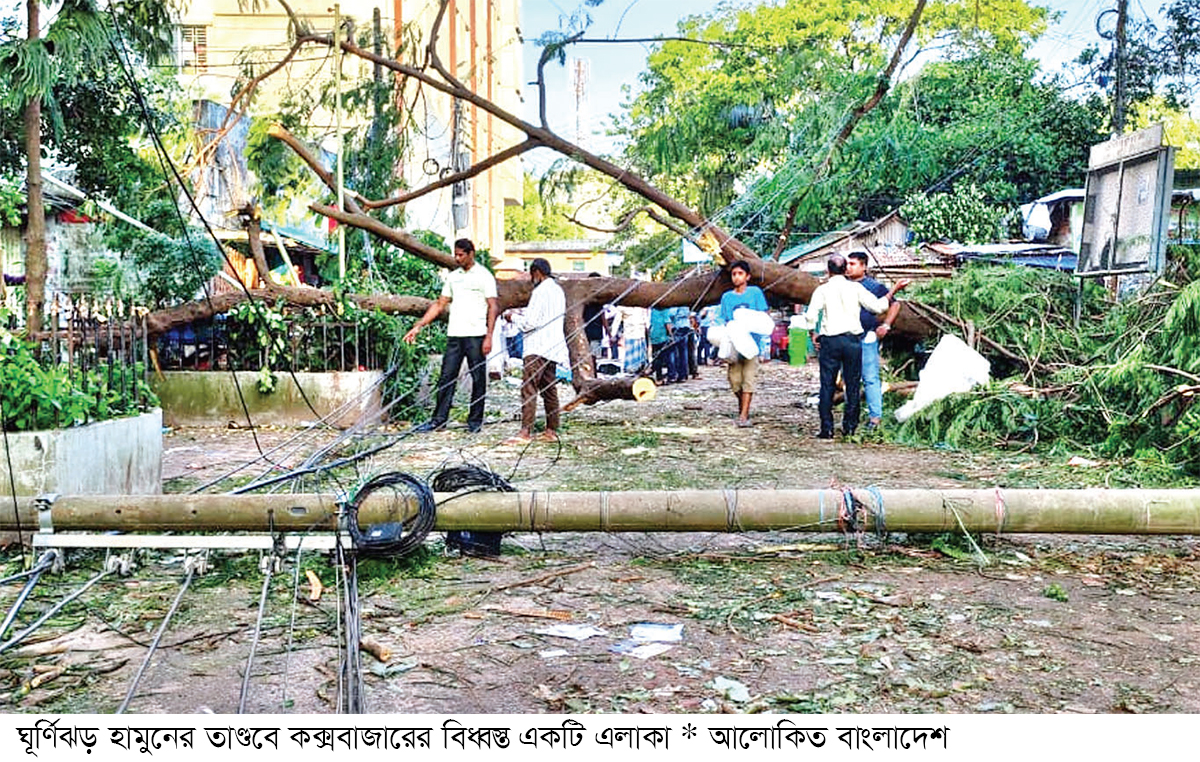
(1122, 385)
(762, 91)
(60, 51)
(539, 217)
(964, 216)
(658, 255)
(984, 119)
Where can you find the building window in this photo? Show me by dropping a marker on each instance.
(192, 49)
(578, 265)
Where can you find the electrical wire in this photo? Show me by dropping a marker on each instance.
(287, 653)
(262, 607)
(456, 478)
(12, 483)
(166, 163)
(392, 538)
(42, 564)
(162, 628)
(20, 636)
(352, 676)
(45, 562)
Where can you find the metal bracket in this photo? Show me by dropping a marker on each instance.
(122, 565)
(195, 564)
(55, 557)
(272, 564)
(43, 503)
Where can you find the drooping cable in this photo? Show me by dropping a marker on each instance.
(162, 628)
(20, 636)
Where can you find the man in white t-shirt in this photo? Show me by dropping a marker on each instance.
(470, 293)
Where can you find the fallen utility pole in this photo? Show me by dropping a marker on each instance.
(1087, 511)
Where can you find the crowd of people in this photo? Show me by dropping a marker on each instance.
(848, 314)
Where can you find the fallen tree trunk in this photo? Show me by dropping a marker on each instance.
(1086, 511)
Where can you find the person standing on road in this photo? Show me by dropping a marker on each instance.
(633, 322)
(835, 306)
(707, 352)
(545, 349)
(595, 326)
(742, 370)
(470, 294)
(683, 359)
(660, 343)
(874, 329)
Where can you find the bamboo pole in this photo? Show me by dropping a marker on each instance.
(1088, 511)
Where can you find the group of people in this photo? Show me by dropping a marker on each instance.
(850, 313)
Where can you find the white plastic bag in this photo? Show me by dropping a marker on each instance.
(953, 367)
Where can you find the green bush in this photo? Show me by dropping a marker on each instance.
(45, 395)
(1121, 384)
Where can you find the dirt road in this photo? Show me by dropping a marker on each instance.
(778, 622)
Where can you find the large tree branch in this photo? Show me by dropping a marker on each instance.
(627, 219)
(393, 236)
(161, 321)
(353, 214)
(254, 239)
(279, 132)
(475, 169)
(730, 246)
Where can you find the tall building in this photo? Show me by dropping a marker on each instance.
(219, 43)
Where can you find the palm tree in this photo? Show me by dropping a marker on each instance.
(32, 67)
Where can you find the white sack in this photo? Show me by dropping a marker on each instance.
(953, 367)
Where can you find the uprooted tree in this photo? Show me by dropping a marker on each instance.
(691, 289)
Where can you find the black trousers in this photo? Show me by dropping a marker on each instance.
(842, 352)
(459, 348)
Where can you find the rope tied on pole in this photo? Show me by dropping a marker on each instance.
(879, 513)
(732, 522)
(1001, 510)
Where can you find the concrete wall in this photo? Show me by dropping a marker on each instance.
(117, 457)
(198, 398)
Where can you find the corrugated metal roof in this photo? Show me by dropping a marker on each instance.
(816, 246)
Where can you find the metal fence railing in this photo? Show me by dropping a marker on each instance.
(317, 344)
(94, 353)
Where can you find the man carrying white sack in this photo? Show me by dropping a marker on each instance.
(835, 306)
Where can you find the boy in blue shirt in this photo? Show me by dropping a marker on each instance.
(742, 371)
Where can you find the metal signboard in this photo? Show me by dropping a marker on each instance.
(1127, 206)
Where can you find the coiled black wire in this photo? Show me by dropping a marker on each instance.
(464, 480)
(456, 478)
(396, 538)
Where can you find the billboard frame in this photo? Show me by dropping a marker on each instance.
(1119, 155)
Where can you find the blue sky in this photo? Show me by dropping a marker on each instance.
(610, 65)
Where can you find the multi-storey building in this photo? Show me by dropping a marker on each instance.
(219, 41)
